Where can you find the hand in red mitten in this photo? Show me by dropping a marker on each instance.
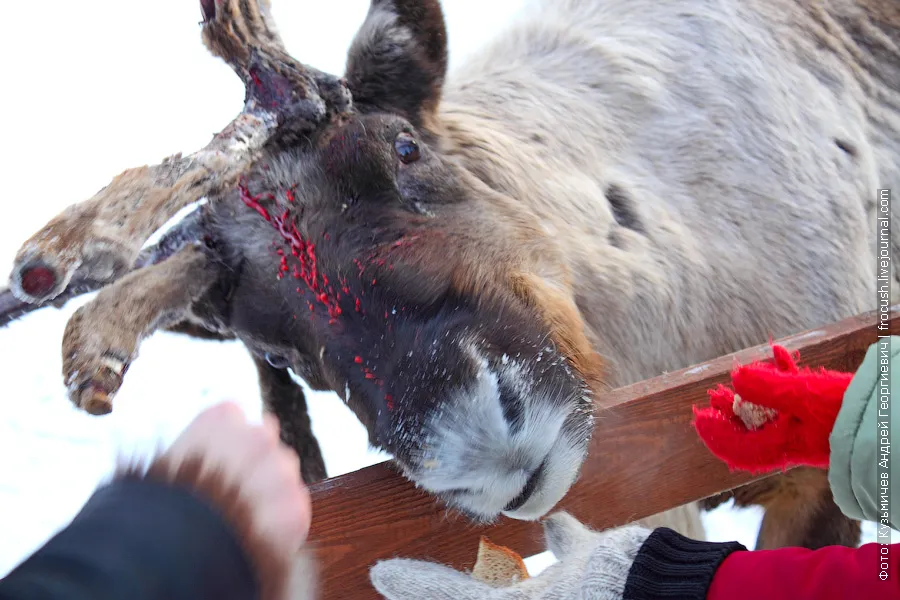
(778, 415)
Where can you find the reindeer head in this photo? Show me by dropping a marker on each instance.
(424, 299)
(355, 249)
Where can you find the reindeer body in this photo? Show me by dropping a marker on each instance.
(687, 159)
(709, 171)
(615, 188)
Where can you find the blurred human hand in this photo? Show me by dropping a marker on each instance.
(250, 458)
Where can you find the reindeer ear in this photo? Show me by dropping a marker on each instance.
(398, 59)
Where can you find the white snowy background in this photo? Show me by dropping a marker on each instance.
(90, 88)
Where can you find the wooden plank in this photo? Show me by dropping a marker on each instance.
(644, 458)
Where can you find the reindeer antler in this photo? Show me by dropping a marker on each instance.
(97, 241)
(185, 232)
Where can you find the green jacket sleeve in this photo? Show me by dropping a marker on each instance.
(863, 479)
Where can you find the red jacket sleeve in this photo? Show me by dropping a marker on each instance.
(671, 566)
(830, 573)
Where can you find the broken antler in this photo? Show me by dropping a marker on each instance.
(97, 350)
(97, 241)
(186, 231)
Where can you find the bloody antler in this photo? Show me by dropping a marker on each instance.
(97, 241)
(187, 231)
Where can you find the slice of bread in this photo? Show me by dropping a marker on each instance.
(498, 566)
(752, 415)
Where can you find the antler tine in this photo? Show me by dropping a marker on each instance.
(187, 231)
(11, 308)
(229, 37)
(98, 240)
(304, 96)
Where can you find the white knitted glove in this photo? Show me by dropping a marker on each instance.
(592, 566)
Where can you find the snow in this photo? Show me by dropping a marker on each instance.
(109, 85)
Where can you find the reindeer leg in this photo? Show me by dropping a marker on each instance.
(101, 339)
(803, 514)
(799, 511)
(282, 397)
(285, 399)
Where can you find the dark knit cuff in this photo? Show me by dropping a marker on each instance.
(669, 565)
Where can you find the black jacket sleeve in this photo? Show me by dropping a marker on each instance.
(138, 539)
(670, 565)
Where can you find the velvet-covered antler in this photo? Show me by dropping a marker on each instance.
(95, 242)
(184, 232)
(96, 245)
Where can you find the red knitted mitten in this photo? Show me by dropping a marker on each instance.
(778, 415)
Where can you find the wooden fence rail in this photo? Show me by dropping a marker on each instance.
(644, 458)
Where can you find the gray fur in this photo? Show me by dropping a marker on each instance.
(719, 119)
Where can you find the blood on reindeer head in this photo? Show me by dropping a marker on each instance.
(382, 270)
(374, 260)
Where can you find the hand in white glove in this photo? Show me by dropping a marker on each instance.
(592, 566)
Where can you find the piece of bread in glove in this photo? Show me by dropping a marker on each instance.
(498, 566)
(752, 415)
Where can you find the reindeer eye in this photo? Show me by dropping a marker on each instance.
(277, 361)
(407, 148)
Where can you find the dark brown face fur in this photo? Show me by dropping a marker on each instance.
(343, 262)
(373, 266)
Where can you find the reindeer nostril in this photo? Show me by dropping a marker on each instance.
(209, 9)
(512, 407)
(526, 492)
(38, 281)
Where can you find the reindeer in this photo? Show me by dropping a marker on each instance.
(610, 190)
